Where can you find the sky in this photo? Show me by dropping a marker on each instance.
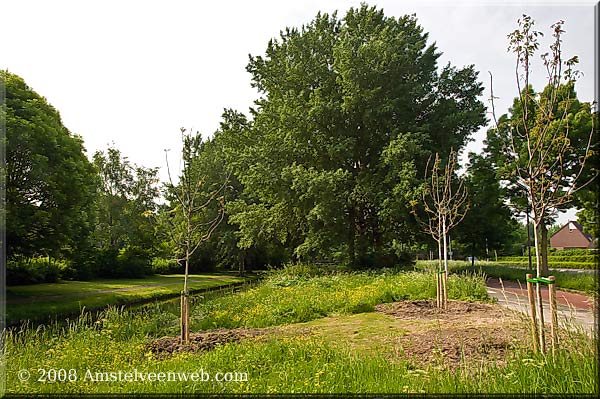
(133, 73)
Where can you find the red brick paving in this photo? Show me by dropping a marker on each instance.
(577, 301)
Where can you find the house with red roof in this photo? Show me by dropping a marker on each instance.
(571, 236)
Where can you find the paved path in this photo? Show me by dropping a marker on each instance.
(577, 309)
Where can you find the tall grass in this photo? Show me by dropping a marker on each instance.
(291, 295)
(285, 364)
(278, 362)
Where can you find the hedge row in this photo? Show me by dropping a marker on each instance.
(553, 265)
(555, 258)
(570, 252)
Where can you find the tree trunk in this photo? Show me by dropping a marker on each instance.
(529, 242)
(351, 238)
(544, 249)
(439, 269)
(242, 261)
(438, 276)
(185, 318)
(445, 246)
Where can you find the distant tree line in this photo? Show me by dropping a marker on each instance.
(323, 169)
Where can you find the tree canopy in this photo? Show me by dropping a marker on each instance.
(349, 111)
(50, 183)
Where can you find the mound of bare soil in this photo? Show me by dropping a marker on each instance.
(452, 347)
(465, 332)
(426, 309)
(203, 341)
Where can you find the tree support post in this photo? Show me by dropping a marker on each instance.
(531, 297)
(437, 290)
(185, 317)
(445, 290)
(542, 334)
(553, 314)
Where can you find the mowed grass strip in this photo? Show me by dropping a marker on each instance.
(53, 300)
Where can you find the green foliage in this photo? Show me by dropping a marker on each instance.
(126, 204)
(573, 252)
(551, 264)
(50, 184)
(133, 262)
(128, 262)
(196, 204)
(349, 110)
(488, 225)
(34, 270)
(589, 202)
(165, 266)
(587, 259)
(542, 144)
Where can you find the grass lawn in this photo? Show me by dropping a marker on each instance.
(39, 301)
(331, 333)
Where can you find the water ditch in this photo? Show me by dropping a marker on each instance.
(170, 302)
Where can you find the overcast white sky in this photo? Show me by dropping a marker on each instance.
(134, 72)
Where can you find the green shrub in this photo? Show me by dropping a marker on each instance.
(571, 252)
(589, 258)
(133, 262)
(551, 264)
(106, 262)
(34, 270)
(165, 266)
(83, 265)
(386, 260)
(128, 262)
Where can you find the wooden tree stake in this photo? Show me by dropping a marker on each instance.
(531, 297)
(445, 290)
(437, 289)
(553, 314)
(185, 317)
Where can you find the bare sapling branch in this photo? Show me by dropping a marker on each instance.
(542, 158)
(445, 202)
(194, 218)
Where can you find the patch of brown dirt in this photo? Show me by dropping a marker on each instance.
(451, 347)
(465, 332)
(428, 310)
(203, 341)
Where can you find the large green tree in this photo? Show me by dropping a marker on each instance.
(349, 112)
(126, 202)
(50, 183)
(489, 224)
